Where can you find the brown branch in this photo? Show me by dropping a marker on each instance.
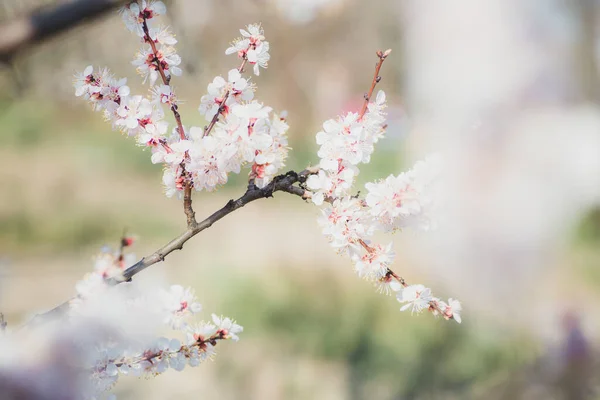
(187, 194)
(166, 80)
(376, 79)
(215, 118)
(187, 206)
(41, 25)
(200, 344)
(281, 183)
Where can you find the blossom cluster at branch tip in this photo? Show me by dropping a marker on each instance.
(251, 47)
(345, 143)
(406, 200)
(172, 308)
(349, 223)
(241, 132)
(157, 54)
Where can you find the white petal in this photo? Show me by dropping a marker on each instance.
(380, 97)
(262, 141)
(233, 75)
(252, 56)
(159, 8)
(395, 286)
(313, 182)
(157, 157)
(318, 198)
(124, 91)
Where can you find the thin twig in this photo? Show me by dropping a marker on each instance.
(376, 79)
(222, 106)
(188, 186)
(281, 183)
(166, 80)
(201, 344)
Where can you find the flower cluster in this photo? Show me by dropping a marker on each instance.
(345, 143)
(156, 357)
(349, 223)
(157, 56)
(241, 131)
(169, 308)
(406, 200)
(251, 47)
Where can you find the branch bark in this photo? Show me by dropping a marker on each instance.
(41, 25)
(281, 183)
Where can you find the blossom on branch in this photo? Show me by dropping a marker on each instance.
(406, 200)
(252, 47)
(241, 132)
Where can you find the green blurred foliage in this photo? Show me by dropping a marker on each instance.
(313, 315)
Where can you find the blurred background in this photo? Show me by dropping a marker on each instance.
(507, 90)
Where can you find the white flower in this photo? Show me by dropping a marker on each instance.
(178, 152)
(252, 36)
(451, 310)
(131, 111)
(374, 121)
(227, 328)
(417, 298)
(199, 332)
(235, 88)
(163, 94)
(344, 223)
(209, 159)
(178, 303)
(373, 265)
(172, 181)
(388, 284)
(239, 88)
(406, 200)
(320, 184)
(85, 82)
(146, 62)
(239, 46)
(153, 135)
(254, 33)
(100, 88)
(342, 139)
(134, 14)
(252, 47)
(178, 361)
(250, 110)
(392, 198)
(259, 57)
(211, 102)
(163, 35)
(330, 185)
